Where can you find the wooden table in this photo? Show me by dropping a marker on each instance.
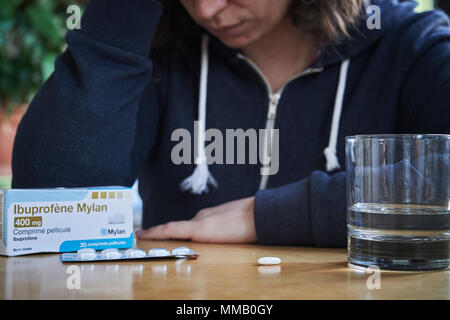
(221, 272)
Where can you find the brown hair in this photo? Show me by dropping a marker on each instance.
(328, 20)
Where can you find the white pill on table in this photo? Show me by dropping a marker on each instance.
(267, 261)
(269, 269)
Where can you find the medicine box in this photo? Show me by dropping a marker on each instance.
(65, 220)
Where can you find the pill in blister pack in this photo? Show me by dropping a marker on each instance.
(111, 254)
(158, 252)
(86, 254)
(182, 251)
(90, 255)
(135, 253)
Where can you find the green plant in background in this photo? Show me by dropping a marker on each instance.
(31, 37)
(5, 182)
(425, 5)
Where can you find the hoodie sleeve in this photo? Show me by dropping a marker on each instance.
(80, 129)
(309, 212)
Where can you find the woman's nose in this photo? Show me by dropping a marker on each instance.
(206, 9)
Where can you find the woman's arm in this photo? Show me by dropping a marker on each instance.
(308, 212)
(80, 128)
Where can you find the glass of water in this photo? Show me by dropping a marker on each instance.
(398, 201)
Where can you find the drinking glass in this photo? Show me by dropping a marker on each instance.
(398, 201)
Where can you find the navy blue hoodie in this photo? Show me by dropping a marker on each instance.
(107, 114)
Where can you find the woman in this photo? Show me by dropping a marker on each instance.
(313, 70)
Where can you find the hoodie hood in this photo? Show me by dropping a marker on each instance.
(361, 37)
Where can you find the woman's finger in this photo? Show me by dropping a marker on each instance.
(203, 214)
(225, 207)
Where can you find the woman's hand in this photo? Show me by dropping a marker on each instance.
(231, 222)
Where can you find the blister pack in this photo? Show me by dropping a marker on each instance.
(90, 255)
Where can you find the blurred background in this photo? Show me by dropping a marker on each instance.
(31, 37)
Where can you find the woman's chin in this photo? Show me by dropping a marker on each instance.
(238, 42)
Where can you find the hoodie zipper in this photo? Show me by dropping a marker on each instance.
(274, 100)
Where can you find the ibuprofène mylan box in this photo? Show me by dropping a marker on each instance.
(65, 220)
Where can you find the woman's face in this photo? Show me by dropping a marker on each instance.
(238, 23)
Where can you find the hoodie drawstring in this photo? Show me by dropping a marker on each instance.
(198, 182)
(330, 151)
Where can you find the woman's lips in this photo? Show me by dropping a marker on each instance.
(230, 31)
